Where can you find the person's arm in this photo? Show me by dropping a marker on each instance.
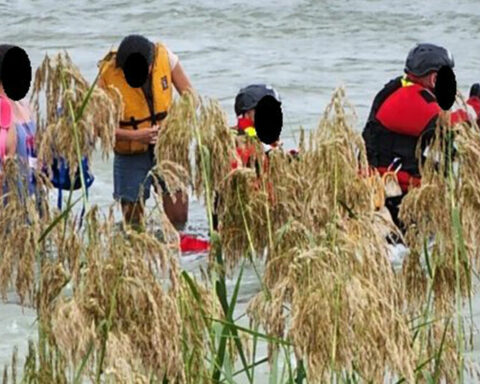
(11, 148)
(180, 79)
(11, 141)
(144, 135)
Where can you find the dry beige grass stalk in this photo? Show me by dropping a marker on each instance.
(330, 286)
(59, 90)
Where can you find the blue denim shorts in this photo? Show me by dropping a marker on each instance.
(132, 178)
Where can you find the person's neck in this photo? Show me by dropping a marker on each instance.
(420, 81)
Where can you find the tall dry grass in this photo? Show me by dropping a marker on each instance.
(72, 116)
(113, 305)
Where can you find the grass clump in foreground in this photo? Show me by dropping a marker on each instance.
(114, 306)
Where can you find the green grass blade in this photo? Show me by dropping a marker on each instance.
(220, 358)
(427, 257)
(251, 366)
(79, 113)
(273, 377)
(57, 220)
(436, 372)
(78, 376)
(301, 375)
(417, 370)
(233, 301)
(236, 338)
(254, 333)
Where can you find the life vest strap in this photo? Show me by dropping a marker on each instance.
(5, 121)
(3, 143)
(135, 123)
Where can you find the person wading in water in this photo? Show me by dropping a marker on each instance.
(404, 113)
(144, 73)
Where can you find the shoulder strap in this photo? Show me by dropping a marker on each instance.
(381, 96)
(5, 122)
(5, 112)
(135, 122)
(3, 143)
(108, 57)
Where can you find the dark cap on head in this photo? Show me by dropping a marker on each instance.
(15, 71)
(248, 97)
(425, 58)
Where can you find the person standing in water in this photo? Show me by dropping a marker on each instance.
(258, 109)
(259, 115)
(16, 74)
(404, 113)
(144, 73)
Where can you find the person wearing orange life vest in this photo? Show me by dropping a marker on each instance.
(144, 73)
(405, 113)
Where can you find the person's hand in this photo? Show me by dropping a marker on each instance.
(154, 136)
(147, 135)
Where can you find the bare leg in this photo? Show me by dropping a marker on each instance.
(177, 212)
(133, 213)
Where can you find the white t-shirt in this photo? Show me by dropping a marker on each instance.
(172, 59)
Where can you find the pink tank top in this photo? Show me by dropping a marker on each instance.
(5, 122)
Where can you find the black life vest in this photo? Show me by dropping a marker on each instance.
(402, 114)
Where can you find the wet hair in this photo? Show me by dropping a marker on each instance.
(134, 44)
(15, 71)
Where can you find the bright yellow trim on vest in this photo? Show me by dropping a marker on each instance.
(406, 82)
(135, 103)
(250, 131)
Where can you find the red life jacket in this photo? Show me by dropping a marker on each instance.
(244, 123)
(404, 113)
(245, 151)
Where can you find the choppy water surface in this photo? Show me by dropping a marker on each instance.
(304, 48)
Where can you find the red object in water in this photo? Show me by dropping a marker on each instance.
(189, 243)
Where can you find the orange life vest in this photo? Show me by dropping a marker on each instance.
(136, 110)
